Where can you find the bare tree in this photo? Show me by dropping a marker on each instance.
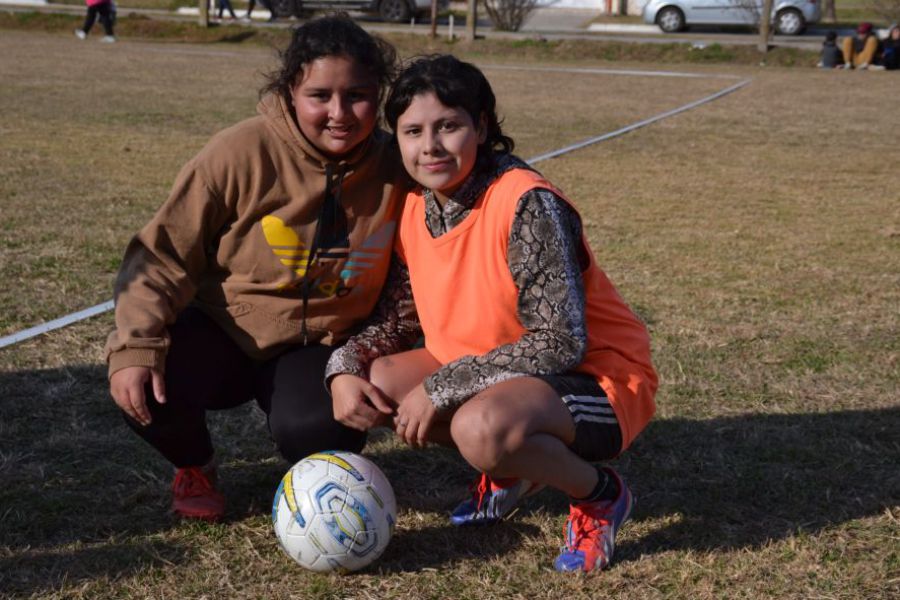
(751, 10)
(764, 33)
(203, 17)
(471, 19)
(889, 10)
(509, 15)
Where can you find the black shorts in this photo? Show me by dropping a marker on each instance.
(597, 433)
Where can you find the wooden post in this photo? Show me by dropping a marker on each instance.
(471, 19)
(434, 18)
(765, 19)
(203, 19)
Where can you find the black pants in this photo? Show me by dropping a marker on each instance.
(105, 18)
(205, 370)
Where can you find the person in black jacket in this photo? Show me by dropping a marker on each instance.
(891, 55)
(831, 56)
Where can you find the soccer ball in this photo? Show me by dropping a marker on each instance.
(334, 511)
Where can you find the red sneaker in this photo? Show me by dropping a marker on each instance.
(194, 495)
(591, 530)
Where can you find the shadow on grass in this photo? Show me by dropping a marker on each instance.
(435, 547)
(739, 482)
(78, 487)
(31, 571)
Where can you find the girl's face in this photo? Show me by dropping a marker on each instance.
(895, 33)
(438, 143)
(336, 102)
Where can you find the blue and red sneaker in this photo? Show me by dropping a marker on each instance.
(591, 529)
(492, 500)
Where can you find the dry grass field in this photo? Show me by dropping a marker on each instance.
(758, 236)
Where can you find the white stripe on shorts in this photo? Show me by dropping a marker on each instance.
(593, 409)
(578, 417)
(573, 399)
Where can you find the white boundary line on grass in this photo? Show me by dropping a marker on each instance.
(56, 324)
(639, 124)
(87, 313)
(632, 72)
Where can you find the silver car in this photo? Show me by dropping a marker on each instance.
(789, 17)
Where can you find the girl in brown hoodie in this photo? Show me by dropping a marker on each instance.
(272, 247)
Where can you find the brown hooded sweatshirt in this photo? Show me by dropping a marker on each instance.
(234, 239)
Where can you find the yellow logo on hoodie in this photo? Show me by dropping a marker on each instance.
(285, 244)
(293, 253)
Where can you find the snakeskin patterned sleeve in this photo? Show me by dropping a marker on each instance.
(393, 327)
(544, 259)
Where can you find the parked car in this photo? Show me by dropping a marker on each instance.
(397, 11)
(789, 17)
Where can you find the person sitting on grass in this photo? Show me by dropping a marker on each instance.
(891, 55)
(244, 281)
(533, 367)
(860, 50)
(831, 56)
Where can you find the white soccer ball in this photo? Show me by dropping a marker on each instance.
(334, 511)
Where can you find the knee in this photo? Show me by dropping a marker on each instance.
(483, 437)
(382, 377)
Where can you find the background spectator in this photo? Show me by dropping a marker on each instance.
(105, 9)
(831, 56)
(891, 57)
(861, 49)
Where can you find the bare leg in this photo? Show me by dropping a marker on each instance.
(398, 374)
(521, 428)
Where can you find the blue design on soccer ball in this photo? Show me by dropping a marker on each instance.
(278, 494)
(349, 508)
(332, 457)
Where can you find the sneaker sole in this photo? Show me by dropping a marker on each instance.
(209, 518)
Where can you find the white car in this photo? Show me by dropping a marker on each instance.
(789, 17)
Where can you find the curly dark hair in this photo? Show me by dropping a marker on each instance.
(456, 84)
(331, 35)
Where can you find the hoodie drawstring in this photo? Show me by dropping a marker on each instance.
(331, 228)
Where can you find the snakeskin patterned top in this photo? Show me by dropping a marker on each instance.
(545, 260)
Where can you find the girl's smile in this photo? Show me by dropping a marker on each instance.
(439, 144)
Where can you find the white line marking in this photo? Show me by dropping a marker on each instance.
(637, 125)
(632, 72)
(56, 324)
(107, 306)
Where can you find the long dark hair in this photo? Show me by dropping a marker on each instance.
(456, 84)
(331, 35)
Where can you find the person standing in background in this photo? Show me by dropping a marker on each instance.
(105, 10)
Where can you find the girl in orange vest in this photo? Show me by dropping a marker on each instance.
(533, 366)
